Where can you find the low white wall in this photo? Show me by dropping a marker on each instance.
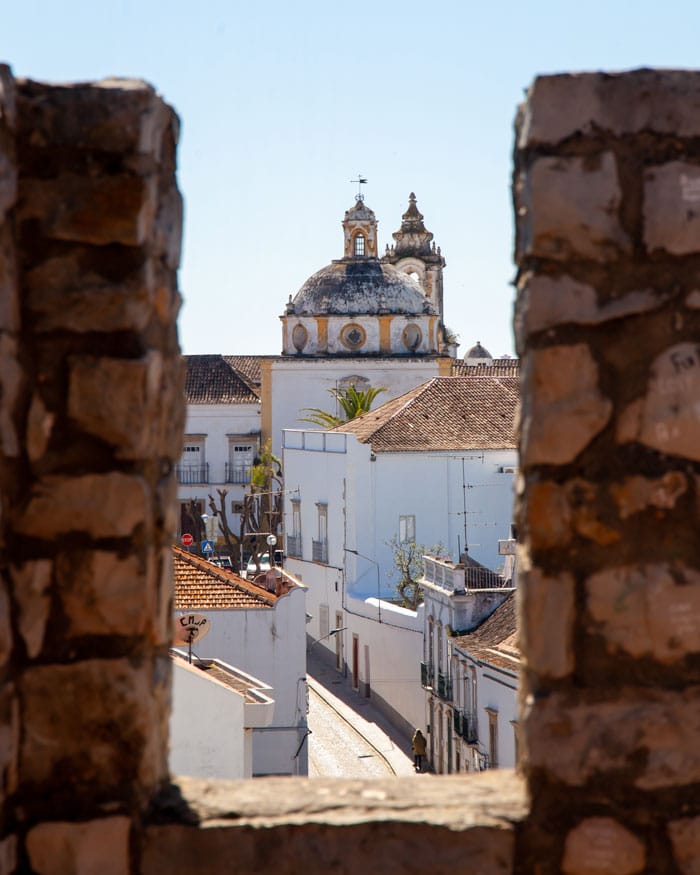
(207, 734)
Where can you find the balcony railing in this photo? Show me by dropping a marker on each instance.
(426, 674)
(444, 687)
(237, 473)
(294, 546)
(319, 551)
(192, 473)
(465, 725)
(458, 578)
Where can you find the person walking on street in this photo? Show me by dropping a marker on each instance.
(419, 744)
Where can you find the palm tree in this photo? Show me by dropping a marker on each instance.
(353, 403)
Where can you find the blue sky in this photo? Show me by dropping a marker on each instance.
(282, 103)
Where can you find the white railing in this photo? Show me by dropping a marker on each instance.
(458, 578)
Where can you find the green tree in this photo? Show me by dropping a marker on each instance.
(409, 566)
(353, 403)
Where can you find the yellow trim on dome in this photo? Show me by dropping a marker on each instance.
(385, 334)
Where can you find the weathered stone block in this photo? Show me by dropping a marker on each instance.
(547, 302)
(649, 734)
(547, 516)
(668, 417)
(568, 208)
(662, 101)
(117, 400)
(98, 210)
(103, 594)
(636, 494)
(564, 409)
(8, 855)
(672, 208)
(11, 383)
(60, 848)
(70, 715)
(602, 846)
(124, 116)
(8, 97)
(546, 610)
(647, 610)
(31, 582)
(40, 423)
(9, 739)
(5, 625)
(685, 839)
(99, 505)
(9, 293)
(463, 824)
(67, 292)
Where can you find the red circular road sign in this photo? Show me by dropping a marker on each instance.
(187, 540)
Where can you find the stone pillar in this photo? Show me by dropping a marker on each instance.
(607, 200)
(91, 420)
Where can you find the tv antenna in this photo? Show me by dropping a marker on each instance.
(190, 628)
(361, 180)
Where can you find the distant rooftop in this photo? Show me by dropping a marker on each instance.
(446, 413)
(201, 585)
(217, 379)
(496, 640)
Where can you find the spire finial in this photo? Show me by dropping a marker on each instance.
(361, 180)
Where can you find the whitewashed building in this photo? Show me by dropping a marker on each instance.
(470, 664)
(215, 708)
(435, 465)
(260, 629)
(222, 434)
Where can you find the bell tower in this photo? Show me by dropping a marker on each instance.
(360, 231)
(415, 254)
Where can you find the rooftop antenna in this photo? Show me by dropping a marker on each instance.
(361, 180)
(190, 628)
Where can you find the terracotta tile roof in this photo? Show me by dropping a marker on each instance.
(200, 585)
(249, 366)
(496, 640)
(211, 379)
(504, 367)
(446, 413)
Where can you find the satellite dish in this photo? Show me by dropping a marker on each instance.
(189, 628)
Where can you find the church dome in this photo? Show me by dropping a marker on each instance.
(478, 352)
(361, 286)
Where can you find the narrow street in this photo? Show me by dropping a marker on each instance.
(336, 749)
(349, 737)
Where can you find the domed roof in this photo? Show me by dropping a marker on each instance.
(478, 352)
(359, 286)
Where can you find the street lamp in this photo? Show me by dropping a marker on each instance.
(323, 637)
(376, 565)
(271, 542)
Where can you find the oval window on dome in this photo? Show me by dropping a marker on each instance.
(353, 336)
(412, 336)
(300, 337)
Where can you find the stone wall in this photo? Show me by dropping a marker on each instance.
(607, 191)
(91, 418)
(607, 200)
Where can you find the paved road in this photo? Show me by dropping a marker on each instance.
(336, 749)
(337, 715)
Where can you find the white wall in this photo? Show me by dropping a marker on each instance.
(304, 382)
(271, 645)
(207, 734)
(217, 422)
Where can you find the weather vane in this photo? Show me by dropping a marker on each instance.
(361, 180)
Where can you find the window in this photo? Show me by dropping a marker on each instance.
(193, 467)
(323, 621)
(407, 528)
(320, 546)
(493, 737)
(241, 455)
(359, 244)
(294, 539)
